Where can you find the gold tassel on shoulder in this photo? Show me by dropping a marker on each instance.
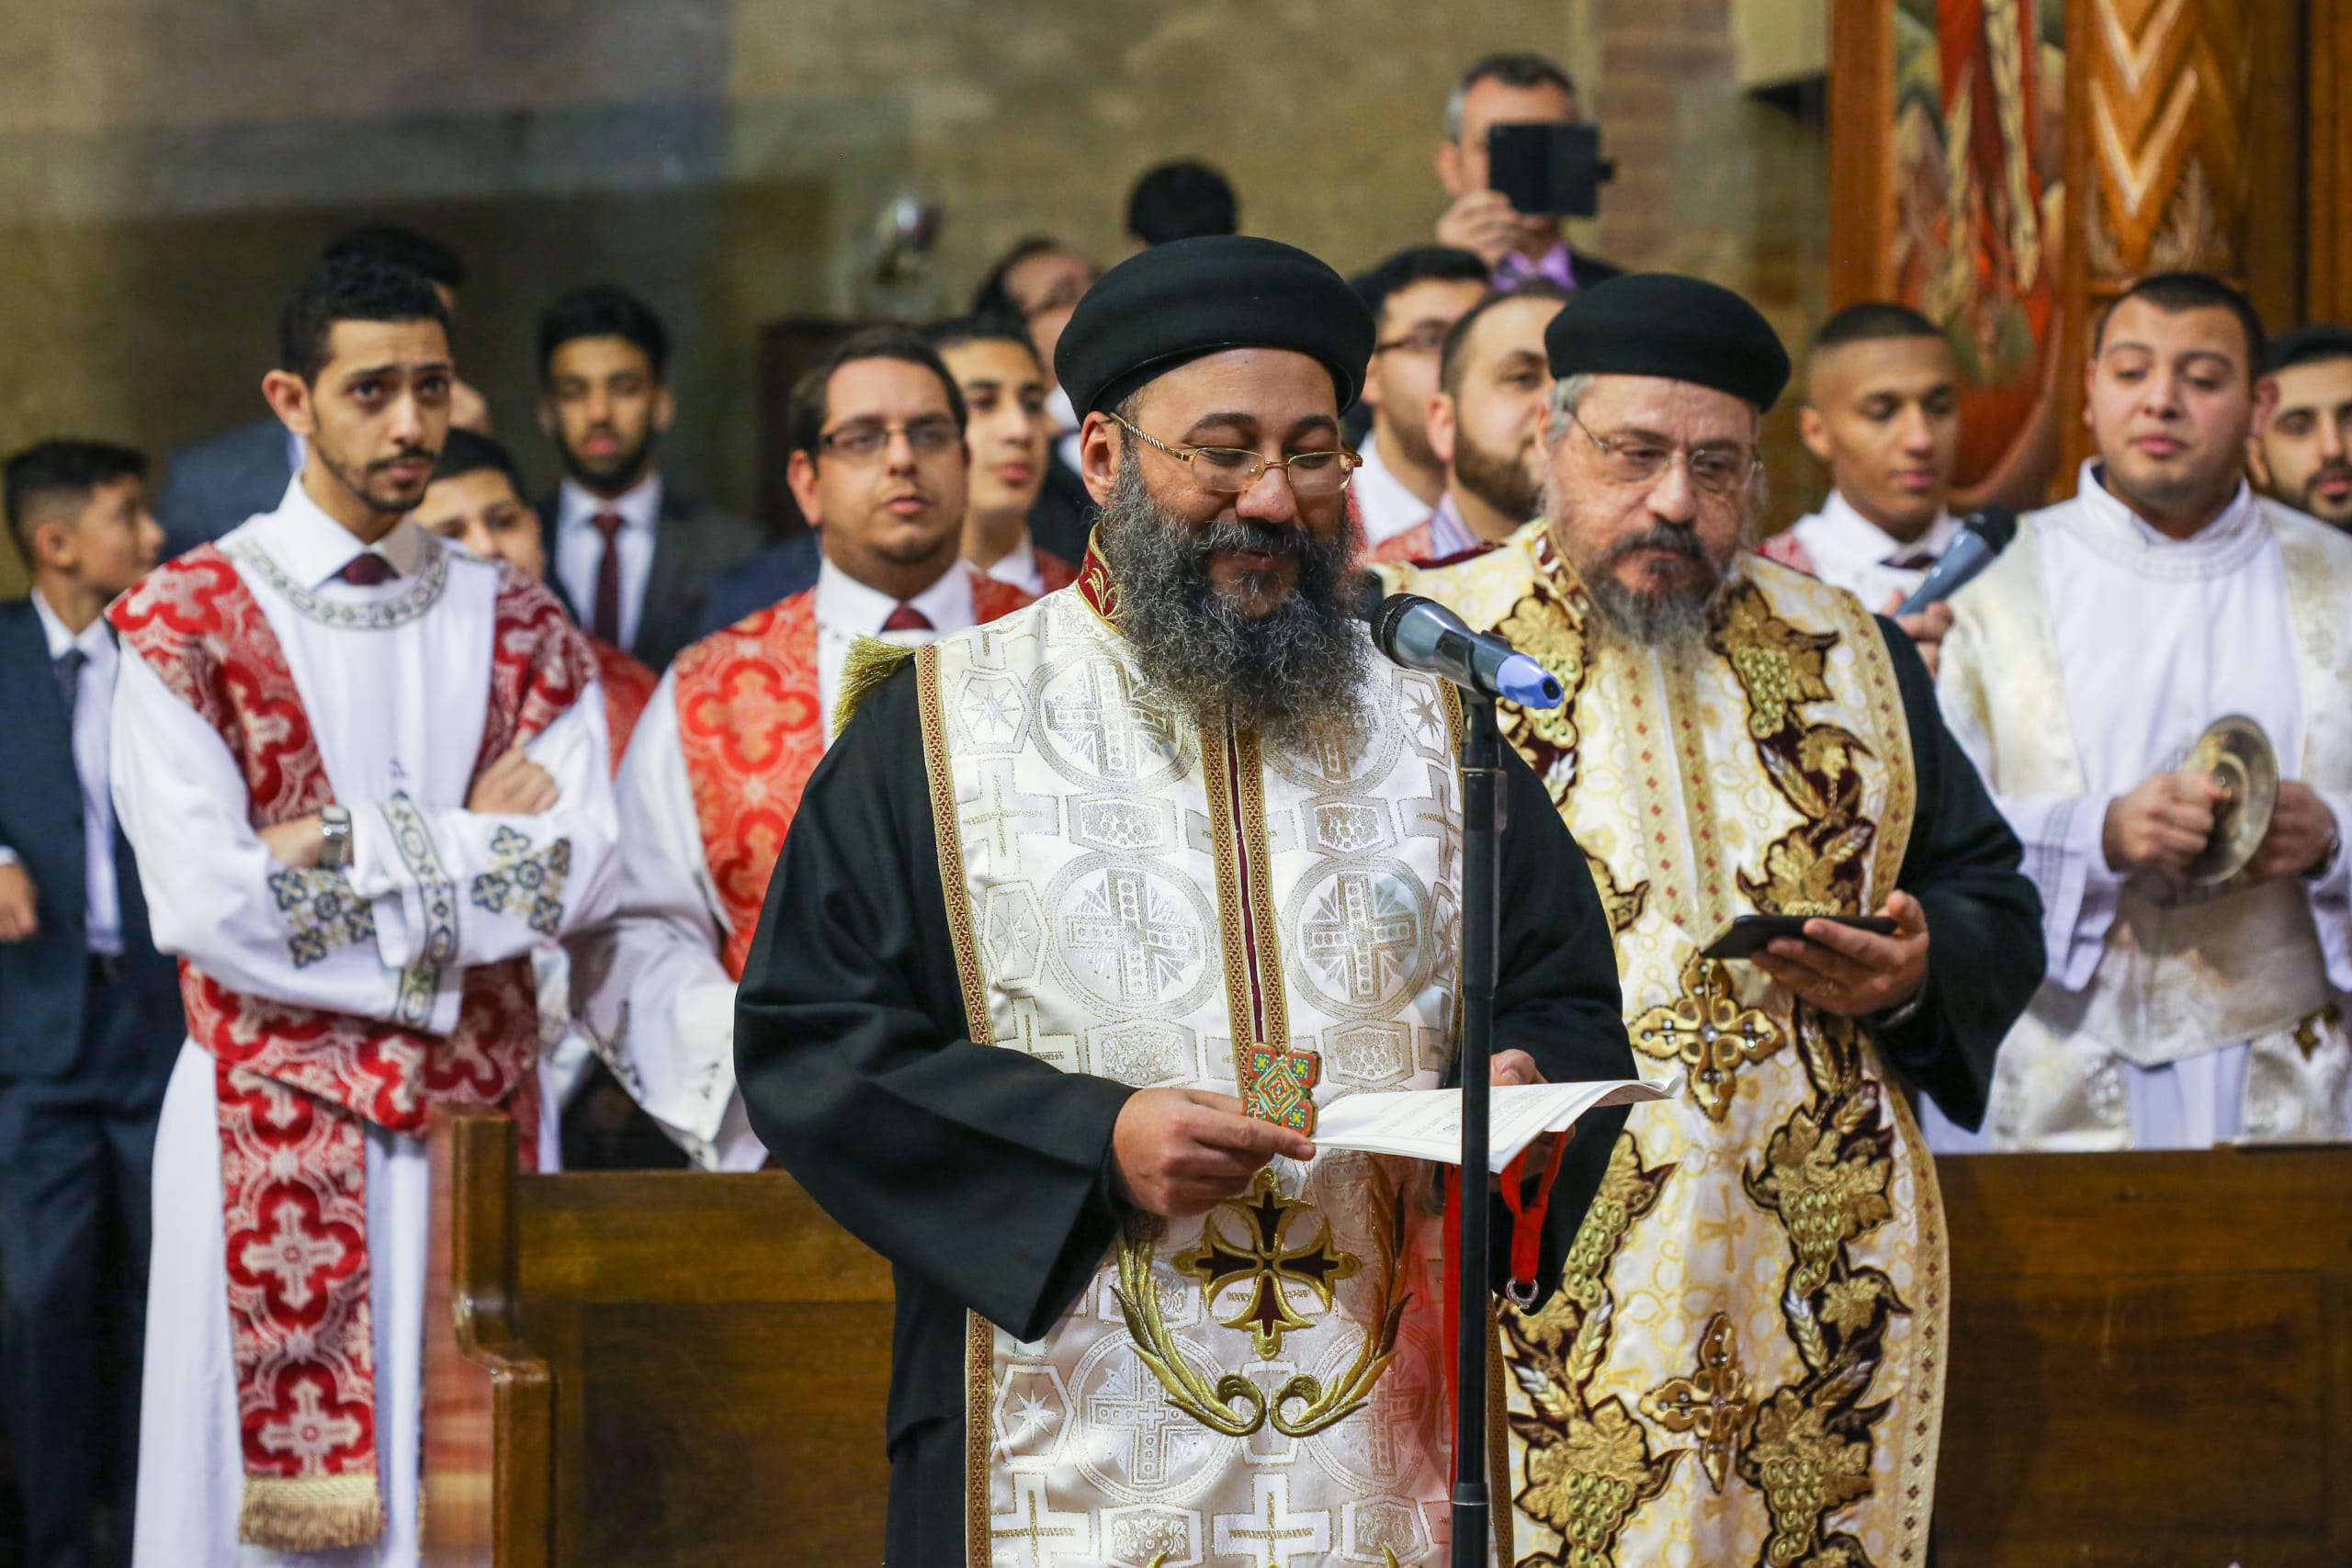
(867, 665)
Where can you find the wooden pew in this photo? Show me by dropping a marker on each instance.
(2150, 1365)
(644, 1370)
(2150, 1360)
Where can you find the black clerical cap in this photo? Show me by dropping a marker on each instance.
(1176, 302)
(1661, 324)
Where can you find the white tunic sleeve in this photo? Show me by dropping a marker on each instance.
(2065, 855)
(648, 982)
(2331, 897)
(459, 888)
(216, 896)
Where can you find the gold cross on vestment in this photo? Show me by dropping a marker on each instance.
(1709, 1032)
(1262, 1261)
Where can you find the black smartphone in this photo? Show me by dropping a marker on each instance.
(1547, 169)
(1750, 934)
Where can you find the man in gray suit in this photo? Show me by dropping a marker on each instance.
(217, 483)
(631, 557)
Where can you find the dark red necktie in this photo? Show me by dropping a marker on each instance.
(367, 569)
(1918, 560)
(607, 619)
(907, 618)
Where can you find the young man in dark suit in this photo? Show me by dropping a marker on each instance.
(89, 1013)
(631, 557)
(212, 485)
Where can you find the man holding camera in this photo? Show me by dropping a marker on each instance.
(1507, 89)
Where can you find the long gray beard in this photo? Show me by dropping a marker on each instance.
(1667, 622)
(1292, 675)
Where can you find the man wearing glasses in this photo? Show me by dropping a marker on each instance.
(742, 718)
(1200, 854)
(1414, 297)
(1748, 1364)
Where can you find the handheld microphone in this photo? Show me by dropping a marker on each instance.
(1982, 537)
(1421, 634)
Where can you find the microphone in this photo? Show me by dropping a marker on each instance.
(1982, 537)
(1421, 634)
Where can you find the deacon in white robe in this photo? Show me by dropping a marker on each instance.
(2079, 673)
(655, 992)
(740, 720)
(394, 683)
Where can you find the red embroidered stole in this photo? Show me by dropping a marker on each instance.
(627, 684)
(294, 1084)
(750, 724)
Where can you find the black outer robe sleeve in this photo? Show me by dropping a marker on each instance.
(1557, 999)
(1985, 950)
(982, 1174)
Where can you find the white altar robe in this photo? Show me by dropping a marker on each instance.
(2154, 638)
(396, 691)
(654, 997)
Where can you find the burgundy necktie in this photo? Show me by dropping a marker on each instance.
(607, 620)
(1918, 560)
(367, 569)
(907, 618)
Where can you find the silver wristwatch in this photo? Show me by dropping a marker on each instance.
(335, 829)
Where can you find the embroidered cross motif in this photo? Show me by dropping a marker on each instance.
(1270, 1529)
(1278, 1086)
(1360, 933)
(1714, 1400)
(528, 885)
(294, 1255)
(1155, 1437)
(1146, 935)
(996, 821)
(1102, 724)
(1709, 1032)
(322, 912)
(1032, 1535)
(1262, 1261)
(309, 1433)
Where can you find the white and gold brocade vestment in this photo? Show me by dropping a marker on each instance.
(1167, 904)
(1745, 1362)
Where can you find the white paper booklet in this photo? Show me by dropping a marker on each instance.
(1426, 1123)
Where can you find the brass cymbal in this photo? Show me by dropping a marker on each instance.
(2236, 751)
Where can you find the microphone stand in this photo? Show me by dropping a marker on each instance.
(1482, 820)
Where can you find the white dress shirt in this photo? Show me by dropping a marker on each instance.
(1019, 567)
(847, 610)
(1386, 507)
(580, 549)
(93, 708)
(1850, 552)
(652, 991)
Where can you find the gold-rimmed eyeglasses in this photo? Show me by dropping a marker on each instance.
(1718, 471)
(1229, 470)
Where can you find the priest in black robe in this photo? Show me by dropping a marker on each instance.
(1082, 918)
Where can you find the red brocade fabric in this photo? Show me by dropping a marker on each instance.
(629, 686)
(751, 725)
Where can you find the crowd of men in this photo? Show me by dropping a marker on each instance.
(444, 793)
